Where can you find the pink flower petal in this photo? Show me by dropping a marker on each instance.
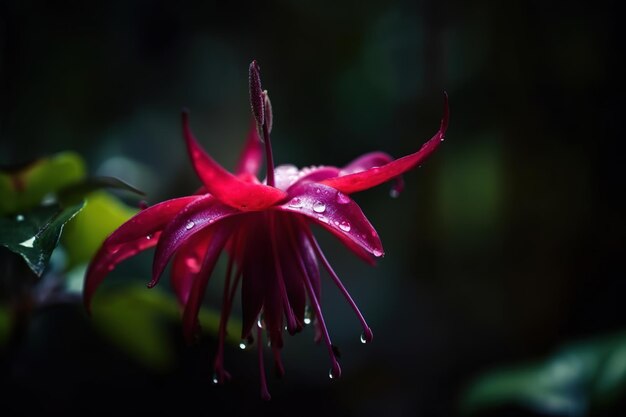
(137, 234)
(226, 187)
(190, 315)
(150, 220)
(186, 264)
(372, 177)
(252, 155)
(203, 212)
(317, 175)
(335, 212)
(372, 160)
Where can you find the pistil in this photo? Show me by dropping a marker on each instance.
(262, 112)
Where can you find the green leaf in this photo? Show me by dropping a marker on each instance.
(83, 235)
(136, 319)
(34, 235)
(25, 187)
(130, 320)
(77, 192)
(578, 377)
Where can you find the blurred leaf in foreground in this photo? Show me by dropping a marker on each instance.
(136, 320)
(86, 232)
(24, 187)
(578, 378)
(35, 235)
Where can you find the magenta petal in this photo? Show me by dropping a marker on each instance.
(149, 220)
(226, 187)
(203, 212)
(107, 258)
(190, 315)
(372, 160)
(317, 175)
(372, 177)
(137, 234)
(337, 213)
(252, 155)
(186, 264)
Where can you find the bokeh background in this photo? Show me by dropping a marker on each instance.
(507, 243)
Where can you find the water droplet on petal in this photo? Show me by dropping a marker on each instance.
(149, 237)
(19, 217)
(215, 380)
(114, 249)
(259, 323)
(319, 207)
(367, 336)
(243, 344)
(323, 219)
(307, 315)
(190, 225)
(342, 198)
(335, 371)
(377, 253)
(295, 202)
(345, 226)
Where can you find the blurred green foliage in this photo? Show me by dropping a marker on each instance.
(580, 378)
(24, 188)
(135, 319)
(83, 236)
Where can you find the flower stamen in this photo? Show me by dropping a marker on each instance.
(265, 394)
(292, 323)
(335, 371)
(367, 335)
(218, 366)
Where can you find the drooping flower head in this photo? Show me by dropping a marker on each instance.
(265, 230)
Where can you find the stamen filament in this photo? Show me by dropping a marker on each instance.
(278, 362)
(367, 331)
(292, 323)
(265, 394)
(335, 371)
(219, 356)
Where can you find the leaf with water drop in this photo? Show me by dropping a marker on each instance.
(35, 234)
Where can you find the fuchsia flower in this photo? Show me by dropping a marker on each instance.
(265, 230)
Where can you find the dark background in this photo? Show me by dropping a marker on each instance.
(507, 243)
